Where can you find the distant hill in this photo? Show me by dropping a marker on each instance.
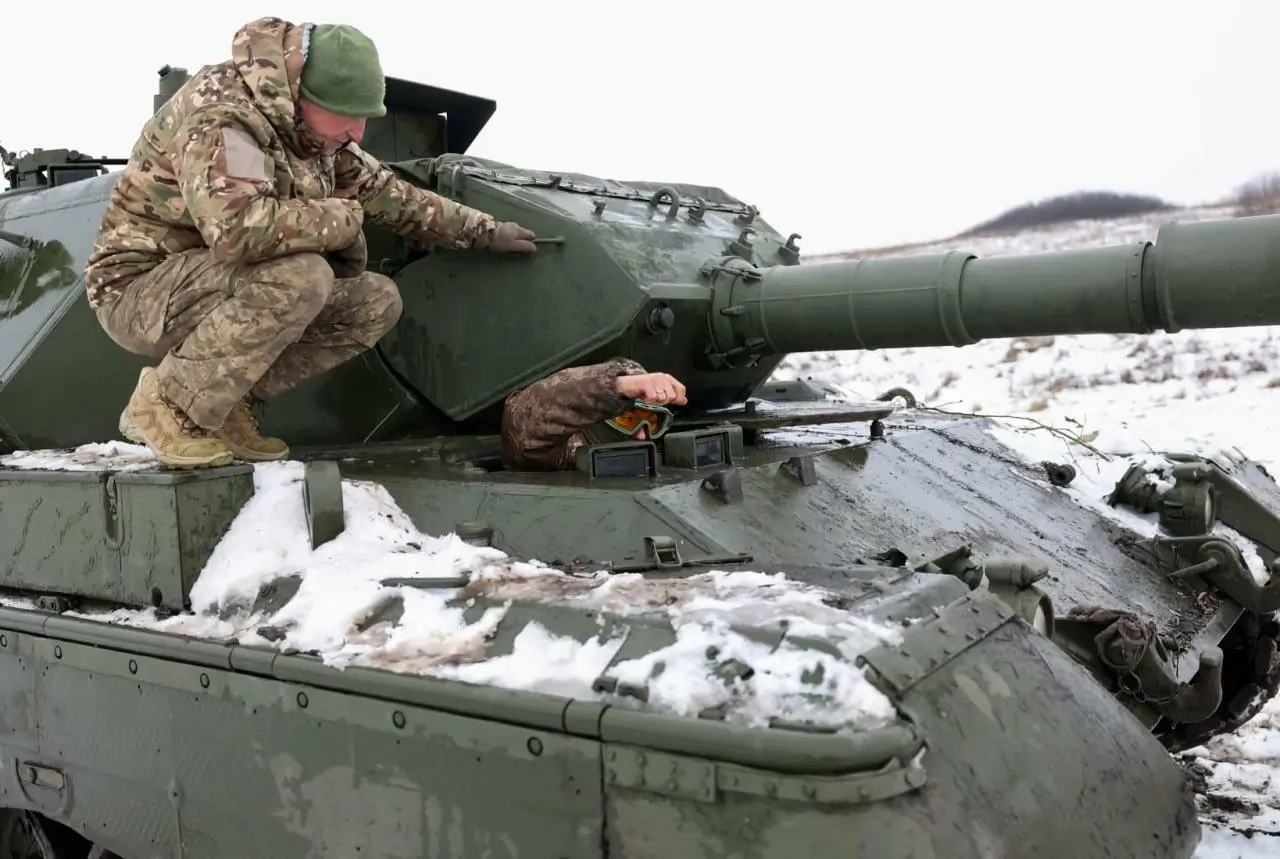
(1085, 213)
(1082, 205)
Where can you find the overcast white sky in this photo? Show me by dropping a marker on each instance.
(855, 125)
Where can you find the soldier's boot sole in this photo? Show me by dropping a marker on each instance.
(248, 454)
(173, 460)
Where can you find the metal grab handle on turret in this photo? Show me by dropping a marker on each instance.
(25, 242)
(551, 240)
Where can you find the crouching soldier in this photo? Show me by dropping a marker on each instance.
(232, 250)
(545, 424)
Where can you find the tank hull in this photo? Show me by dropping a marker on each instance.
(359, 761)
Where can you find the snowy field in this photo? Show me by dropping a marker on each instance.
(1209, 392)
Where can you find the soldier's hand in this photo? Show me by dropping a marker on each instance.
(343, 221)
(656, 388)
(350, 261)
(510, 236)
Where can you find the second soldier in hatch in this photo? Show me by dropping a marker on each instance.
(232, 247)
(544, 424)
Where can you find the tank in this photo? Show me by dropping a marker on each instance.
(990, 667)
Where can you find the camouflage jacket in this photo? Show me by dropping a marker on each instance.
(226, 165)
(542, 424)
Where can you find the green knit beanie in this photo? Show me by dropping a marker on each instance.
(342, 73)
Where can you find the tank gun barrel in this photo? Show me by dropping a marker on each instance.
(1208, 274)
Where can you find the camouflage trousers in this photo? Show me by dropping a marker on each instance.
(223, 330)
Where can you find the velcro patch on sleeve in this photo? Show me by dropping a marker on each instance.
(244, 159)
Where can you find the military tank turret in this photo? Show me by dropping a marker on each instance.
(1036, 659)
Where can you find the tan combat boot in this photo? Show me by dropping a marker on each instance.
(241, 434)
(173, 437)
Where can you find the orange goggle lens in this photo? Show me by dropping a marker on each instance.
(654, 422)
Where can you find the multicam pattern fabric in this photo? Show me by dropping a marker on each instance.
(544, 424)
(224, 330)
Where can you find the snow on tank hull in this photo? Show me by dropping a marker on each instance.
(1076, 556)
(1000, 720)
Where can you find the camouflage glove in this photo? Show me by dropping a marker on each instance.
(351, 260)
(509, 236)
(344, 222)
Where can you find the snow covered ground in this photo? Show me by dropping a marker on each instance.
(1201, 391)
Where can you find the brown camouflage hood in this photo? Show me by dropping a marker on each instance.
(268, 54)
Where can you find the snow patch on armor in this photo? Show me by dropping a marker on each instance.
(343, 611)
(114, 455)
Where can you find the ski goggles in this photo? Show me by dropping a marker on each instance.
(654, 420)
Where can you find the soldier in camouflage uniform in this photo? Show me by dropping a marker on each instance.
(545, 424)
(232, 246)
